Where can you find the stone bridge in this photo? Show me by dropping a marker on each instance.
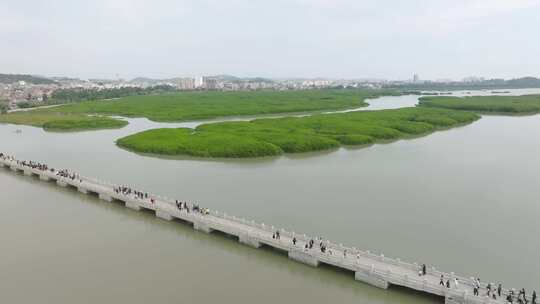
(374, 269)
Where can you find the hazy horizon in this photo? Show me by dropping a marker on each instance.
(273, 39)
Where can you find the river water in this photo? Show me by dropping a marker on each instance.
(466, 200)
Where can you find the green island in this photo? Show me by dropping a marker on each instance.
(190, 106)
(526, 104)
(211, 104)
(52, 121)
(270, 137)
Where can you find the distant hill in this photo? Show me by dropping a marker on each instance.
(224, 78)
(230, 78)
(529, 82)
(11, 78)
(517, 83)
(144, 80)
(64, 79)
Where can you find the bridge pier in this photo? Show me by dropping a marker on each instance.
(372, 279)
(163, 215)
(251, 241)
(252, 235)
(452, 298)
(303, 257)
(105, 197)
(133, 205)
(200, 226)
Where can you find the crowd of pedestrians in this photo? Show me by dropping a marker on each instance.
(310, 244)
(42, 167)
(7, 157)
(184, 206)
(496, 292)
(33, 165)
(129, 191)
(24, 163)
(124, 190)
(447, 283)
(491, 291)
(67, 174)
(521, 297)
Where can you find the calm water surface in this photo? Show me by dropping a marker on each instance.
(465, 200)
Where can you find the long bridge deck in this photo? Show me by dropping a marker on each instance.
(370, 268)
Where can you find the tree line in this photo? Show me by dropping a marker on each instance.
(3, 106)
(76, 95)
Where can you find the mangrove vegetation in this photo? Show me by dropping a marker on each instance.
(269, 137)
(526, 104)
(187, 106)
(52, 121)
(211, 104)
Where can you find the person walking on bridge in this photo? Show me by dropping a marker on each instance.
(522, 294)
(424, 270)
(499, 290)
(509, 298)
(294, 241)
(534, 297)
(442, 280)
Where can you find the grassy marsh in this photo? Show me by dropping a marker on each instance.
(52, 121)
(270, 137)
(204, 105)
(526, 104)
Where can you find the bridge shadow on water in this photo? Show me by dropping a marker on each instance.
(147, 211)
(337, 270)
(224, 235)
(273, 250)
(180, 221)
(416, 293)
(117, 202)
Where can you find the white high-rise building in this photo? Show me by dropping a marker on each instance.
(199, 82)
(186, 84)
(210, 83)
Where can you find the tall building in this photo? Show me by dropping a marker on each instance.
(416, 78)
(198, 82)
(210, 83)
(186, 84)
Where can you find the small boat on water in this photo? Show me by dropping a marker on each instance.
(18, 131)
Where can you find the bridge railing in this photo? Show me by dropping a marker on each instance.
(109, 189)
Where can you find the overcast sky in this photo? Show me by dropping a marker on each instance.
(271, 38)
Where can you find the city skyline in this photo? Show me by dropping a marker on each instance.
(280, 39)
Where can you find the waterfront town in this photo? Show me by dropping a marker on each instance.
(21, 91)
(36, 90)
